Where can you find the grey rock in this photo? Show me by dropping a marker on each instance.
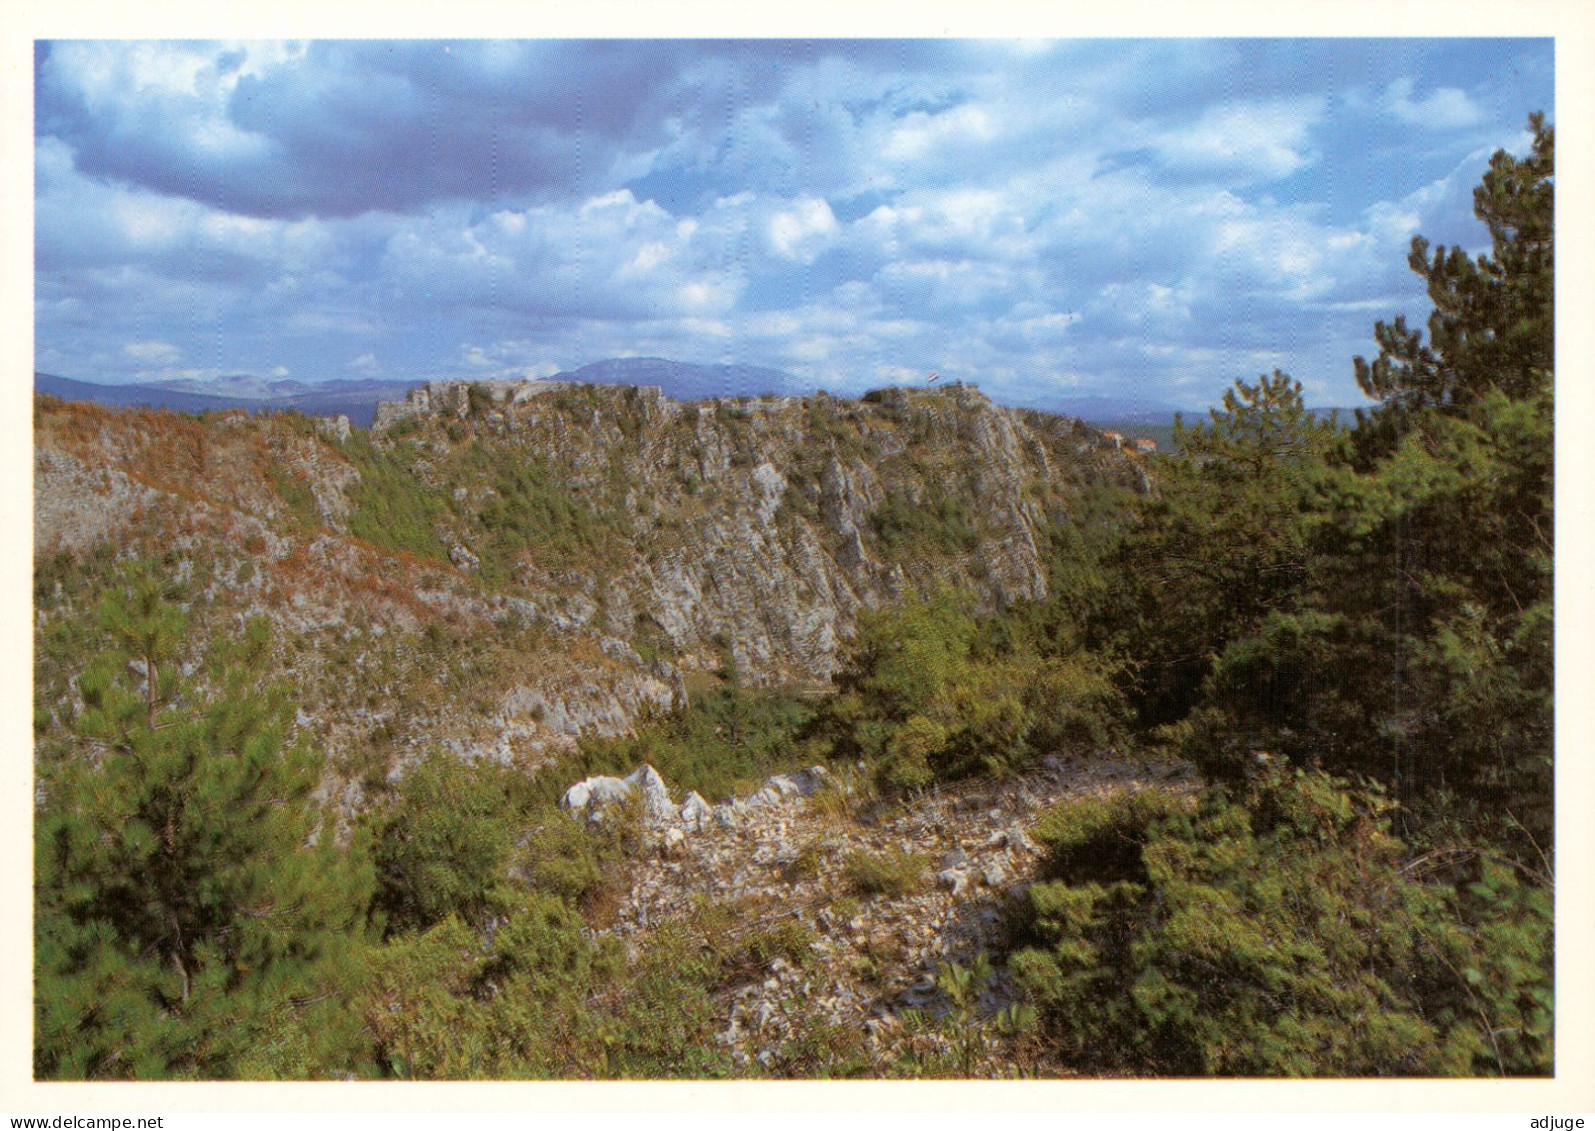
(594, 793)
(656, 803)
(1016, 837)
(763, 798)
(617, 649)
(954, 878)
(783, 785)
(812, 780)
(695, 813)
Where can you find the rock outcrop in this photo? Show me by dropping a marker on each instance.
(592, 797)
(608, 550)
(859, 961)
(756, 530)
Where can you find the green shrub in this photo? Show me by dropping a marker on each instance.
(451, 1004)
(304, 514)
(444, 848)
(1277, 935)
(909, 752)
(721, 745)
(933, 695)
(534, 513)
(787, 938)
(478, 399)
(564, 857)
(188, 920)
(937, 526)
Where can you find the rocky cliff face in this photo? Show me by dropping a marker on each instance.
(762, 526)
(502, 567)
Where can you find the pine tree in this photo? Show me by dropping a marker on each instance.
(1494, 317)
(194, 914)
(1226, 541)
(1444, 566)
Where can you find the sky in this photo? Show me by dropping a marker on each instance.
(1048, 219)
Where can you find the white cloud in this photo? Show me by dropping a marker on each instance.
(1266, 139)
(981, 208)
(153, 353)
(922, 133)
(1446, 107)
(799, 232)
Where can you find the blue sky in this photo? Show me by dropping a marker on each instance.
(1055, 218)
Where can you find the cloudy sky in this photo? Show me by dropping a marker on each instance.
(1044, 218)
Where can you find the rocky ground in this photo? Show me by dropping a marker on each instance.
(778, 873)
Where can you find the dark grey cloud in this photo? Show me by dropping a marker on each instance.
(346, 127)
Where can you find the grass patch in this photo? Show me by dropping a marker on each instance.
(393, 509)
(304, 515)
(535, 514)
(891, 873)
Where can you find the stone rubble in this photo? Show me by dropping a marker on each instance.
(832, 956)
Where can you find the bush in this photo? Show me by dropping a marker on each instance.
(447, 1004)
(535, 513)
(1277, 935)
(563, 857)
(931, 695)
(723, 744)
(444, 848)
(938, 526)
(189, 921)
(478, 399)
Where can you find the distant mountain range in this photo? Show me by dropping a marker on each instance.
(1122, 411)
(355, 399)
(685, 381)
(677, 379)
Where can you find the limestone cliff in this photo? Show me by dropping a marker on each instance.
(501, 567)
(762, 526)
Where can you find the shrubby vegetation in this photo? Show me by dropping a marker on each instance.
(393, 509)
(1346, 625)
(1365, 599)
(723, 744)
(1277, 932)
(934, 694)
(194, 914)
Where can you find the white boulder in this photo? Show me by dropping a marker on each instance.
(656, 803)
(695, 813)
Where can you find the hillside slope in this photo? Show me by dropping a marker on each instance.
(499, 569)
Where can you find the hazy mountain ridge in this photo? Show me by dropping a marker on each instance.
(355, 399)
(683, 381)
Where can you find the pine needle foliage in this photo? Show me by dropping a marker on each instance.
(194, 916)
(1276, 932)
